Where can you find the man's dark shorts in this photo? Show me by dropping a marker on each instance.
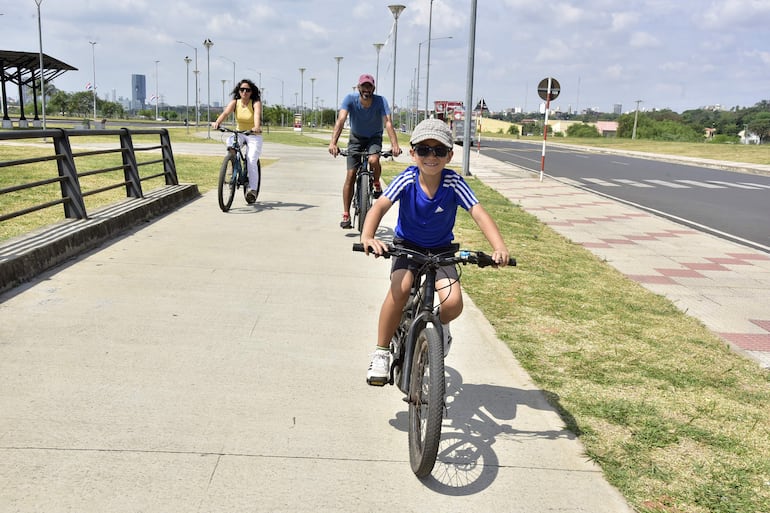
(358, 145)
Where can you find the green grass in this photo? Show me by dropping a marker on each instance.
(677, 421)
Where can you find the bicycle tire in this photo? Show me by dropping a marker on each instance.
(364, 192)
(227, 183)
(426, 400)
(259, 179)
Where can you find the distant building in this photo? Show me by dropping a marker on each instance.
(138, 92)
(617, 109)
(607, 128)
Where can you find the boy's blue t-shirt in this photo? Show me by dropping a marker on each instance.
(428, 222)
(365, 122)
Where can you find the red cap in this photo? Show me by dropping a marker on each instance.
(365, 79)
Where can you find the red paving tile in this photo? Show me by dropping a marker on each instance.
(729, 261)
(748, 341)
(705, 267)
(749, 256)
(680, 273)
(765, 325)
(594, 244)
(652, 278)
(618, 241)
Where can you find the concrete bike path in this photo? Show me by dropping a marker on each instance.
(211, 362)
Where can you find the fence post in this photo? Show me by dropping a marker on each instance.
(169, 167)
(130, 169)
(75, 207)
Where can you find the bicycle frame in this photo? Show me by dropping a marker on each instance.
(363, 186)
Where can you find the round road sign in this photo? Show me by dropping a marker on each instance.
(542, 89)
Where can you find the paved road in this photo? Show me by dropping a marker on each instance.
(211, 362)
(704, 195)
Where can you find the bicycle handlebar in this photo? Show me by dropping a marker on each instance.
(463, 257)
(225, 129)
(345, 152)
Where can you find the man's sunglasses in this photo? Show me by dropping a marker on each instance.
(245, 89)
(424, 151)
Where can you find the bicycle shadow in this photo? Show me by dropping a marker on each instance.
(262, 206)
(477, 416)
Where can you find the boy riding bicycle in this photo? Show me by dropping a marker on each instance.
(429, 195)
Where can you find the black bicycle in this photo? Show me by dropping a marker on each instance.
(417, 350)
(363, 193)
(234, 171)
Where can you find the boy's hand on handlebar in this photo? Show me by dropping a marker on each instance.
(372, 245)
(500, 257)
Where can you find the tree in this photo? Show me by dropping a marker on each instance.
(583, 130)
(759, 124)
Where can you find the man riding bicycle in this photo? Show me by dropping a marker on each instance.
(368, 113)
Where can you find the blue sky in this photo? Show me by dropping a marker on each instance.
(680, 54)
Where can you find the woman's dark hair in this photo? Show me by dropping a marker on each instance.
(236, 94)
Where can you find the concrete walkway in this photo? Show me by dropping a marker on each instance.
(211, 362)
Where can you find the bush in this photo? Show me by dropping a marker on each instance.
(583, 130)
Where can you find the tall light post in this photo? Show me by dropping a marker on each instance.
(187, 61)
(224, 81)
(378, 47)
(196, 71)
(230, 60)
(42, 78)
(157, 97)
(337, 105)
(93, 63)
(636, 116)
(208, 44)
(302, 99)
(427, 71)
(312, 95)
(396, 9)
(419, 53)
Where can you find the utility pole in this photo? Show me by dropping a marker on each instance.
(636, 116)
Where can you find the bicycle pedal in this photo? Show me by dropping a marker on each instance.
(377, 382)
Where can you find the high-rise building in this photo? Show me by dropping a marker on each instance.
(138, 92)
(617, 108)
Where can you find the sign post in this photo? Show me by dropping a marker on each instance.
(548, 89)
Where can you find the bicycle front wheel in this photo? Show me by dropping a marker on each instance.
(426, 400)
(226, 186)
(364, 199)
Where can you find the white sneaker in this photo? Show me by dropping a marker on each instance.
(447, 338)
(379, 368)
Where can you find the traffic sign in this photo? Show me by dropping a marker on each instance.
(542, 89)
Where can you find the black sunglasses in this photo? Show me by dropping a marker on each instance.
(424, 151)
(245, 89)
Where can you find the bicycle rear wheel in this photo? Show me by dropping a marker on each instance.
(227, 183)
(364, 199)
(426, 400)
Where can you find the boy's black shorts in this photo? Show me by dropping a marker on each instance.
(402, 262)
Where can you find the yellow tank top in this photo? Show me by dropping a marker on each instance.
(244, 115)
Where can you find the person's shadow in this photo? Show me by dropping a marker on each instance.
(476, 416)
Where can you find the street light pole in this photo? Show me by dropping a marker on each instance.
(378, 47)
(42, 77)
(302, 99)
(196, 71)
(312, 95)
(157, 98)
(187, 61)
(208, 44)
(427, 70)
(93, 83)
(636, 116)
(396, 10)
(337, 105)
(419, 53)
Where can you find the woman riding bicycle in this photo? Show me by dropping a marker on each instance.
(247, 105)
(429, 195)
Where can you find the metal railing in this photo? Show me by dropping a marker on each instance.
(69, 176)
